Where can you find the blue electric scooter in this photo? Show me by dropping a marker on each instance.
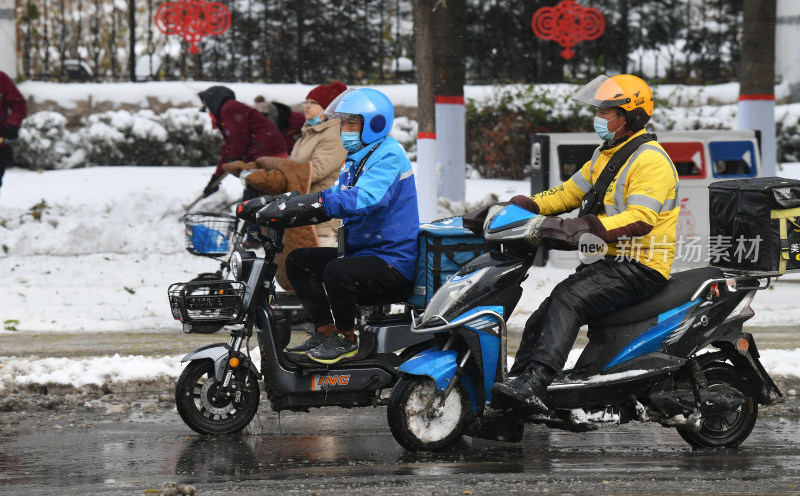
(642, 363)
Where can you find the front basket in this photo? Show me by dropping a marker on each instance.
(208, 234)
(217, 302)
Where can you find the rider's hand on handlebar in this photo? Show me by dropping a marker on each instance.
(249, 210)
(525, 202)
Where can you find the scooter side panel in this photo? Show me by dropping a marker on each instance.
(391, 338)
(670, 323)
(362, 377)
(643, 373)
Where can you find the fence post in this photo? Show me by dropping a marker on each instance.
(8, 38)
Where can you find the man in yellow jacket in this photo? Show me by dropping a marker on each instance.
(632, 219)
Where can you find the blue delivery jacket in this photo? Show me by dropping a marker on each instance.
(379, 207)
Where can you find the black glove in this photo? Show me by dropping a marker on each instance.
(247, 210)
(212, 186)
(565, 234)
(289, 210)
(526, 202)
(10, 133)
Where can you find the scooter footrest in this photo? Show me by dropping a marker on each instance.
(366, 343)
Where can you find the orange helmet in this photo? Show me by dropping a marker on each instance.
(625, 91)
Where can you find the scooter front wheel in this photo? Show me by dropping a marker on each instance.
(728, 429)
(418, 419)
(204, 411)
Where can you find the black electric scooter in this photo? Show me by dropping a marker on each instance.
(218, 392)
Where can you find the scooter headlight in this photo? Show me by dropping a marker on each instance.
(236, 265)
(241, 263)
(450, 293)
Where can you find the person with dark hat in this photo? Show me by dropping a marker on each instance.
(246, 133)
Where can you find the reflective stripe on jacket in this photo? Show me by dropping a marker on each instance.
(642, 198)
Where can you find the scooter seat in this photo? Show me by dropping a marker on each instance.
(679, 289)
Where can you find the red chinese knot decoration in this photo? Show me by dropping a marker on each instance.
(193, 20)
(568, 24)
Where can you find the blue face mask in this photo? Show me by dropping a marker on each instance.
(352, 141)
(314, 120)
(601, 128)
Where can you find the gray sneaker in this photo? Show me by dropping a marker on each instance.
(333, 349)
(310, 343)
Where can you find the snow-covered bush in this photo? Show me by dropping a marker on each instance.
(175, 137)
(45, 143)
(499, 130)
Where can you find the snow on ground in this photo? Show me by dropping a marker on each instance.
(94, 250)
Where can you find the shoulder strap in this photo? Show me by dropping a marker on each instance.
(361, 164)
(592, 202)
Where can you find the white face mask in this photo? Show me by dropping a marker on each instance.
(601, 128)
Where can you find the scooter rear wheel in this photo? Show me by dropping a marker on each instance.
(731, 428)
(203, 412)
(416, 419)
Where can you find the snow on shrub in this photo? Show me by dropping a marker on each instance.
(44, 141)
(497, 140)
(119, 137)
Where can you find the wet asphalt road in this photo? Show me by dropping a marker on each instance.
(125, 444)
(335, 451)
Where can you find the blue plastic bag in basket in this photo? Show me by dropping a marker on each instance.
(208, 241)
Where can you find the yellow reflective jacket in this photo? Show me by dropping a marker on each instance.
(641, 204)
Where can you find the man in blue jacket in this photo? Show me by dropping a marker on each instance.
(376, 198)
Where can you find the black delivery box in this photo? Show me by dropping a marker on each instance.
(755, 224)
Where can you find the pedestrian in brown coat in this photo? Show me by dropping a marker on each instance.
(314, 165)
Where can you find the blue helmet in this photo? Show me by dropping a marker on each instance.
(374, 108)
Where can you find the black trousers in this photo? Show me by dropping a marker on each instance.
(6, 160)
(592, 290)
(347, 282)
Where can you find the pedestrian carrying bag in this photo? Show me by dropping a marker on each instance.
(444, 246)
(755, 224)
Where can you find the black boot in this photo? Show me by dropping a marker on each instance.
(527, 393)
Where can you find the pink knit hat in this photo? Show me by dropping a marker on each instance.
(325, 94)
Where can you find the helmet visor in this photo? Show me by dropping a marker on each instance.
(601, 92)
(331, 111)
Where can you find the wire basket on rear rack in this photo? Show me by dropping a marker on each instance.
(208, 234)
(207, 302)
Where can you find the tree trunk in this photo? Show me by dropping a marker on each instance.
(448, 59)
(423, 43)
(757, 77)
(426, 116)
(757, 67)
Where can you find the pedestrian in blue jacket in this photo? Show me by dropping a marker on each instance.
(376, 198)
